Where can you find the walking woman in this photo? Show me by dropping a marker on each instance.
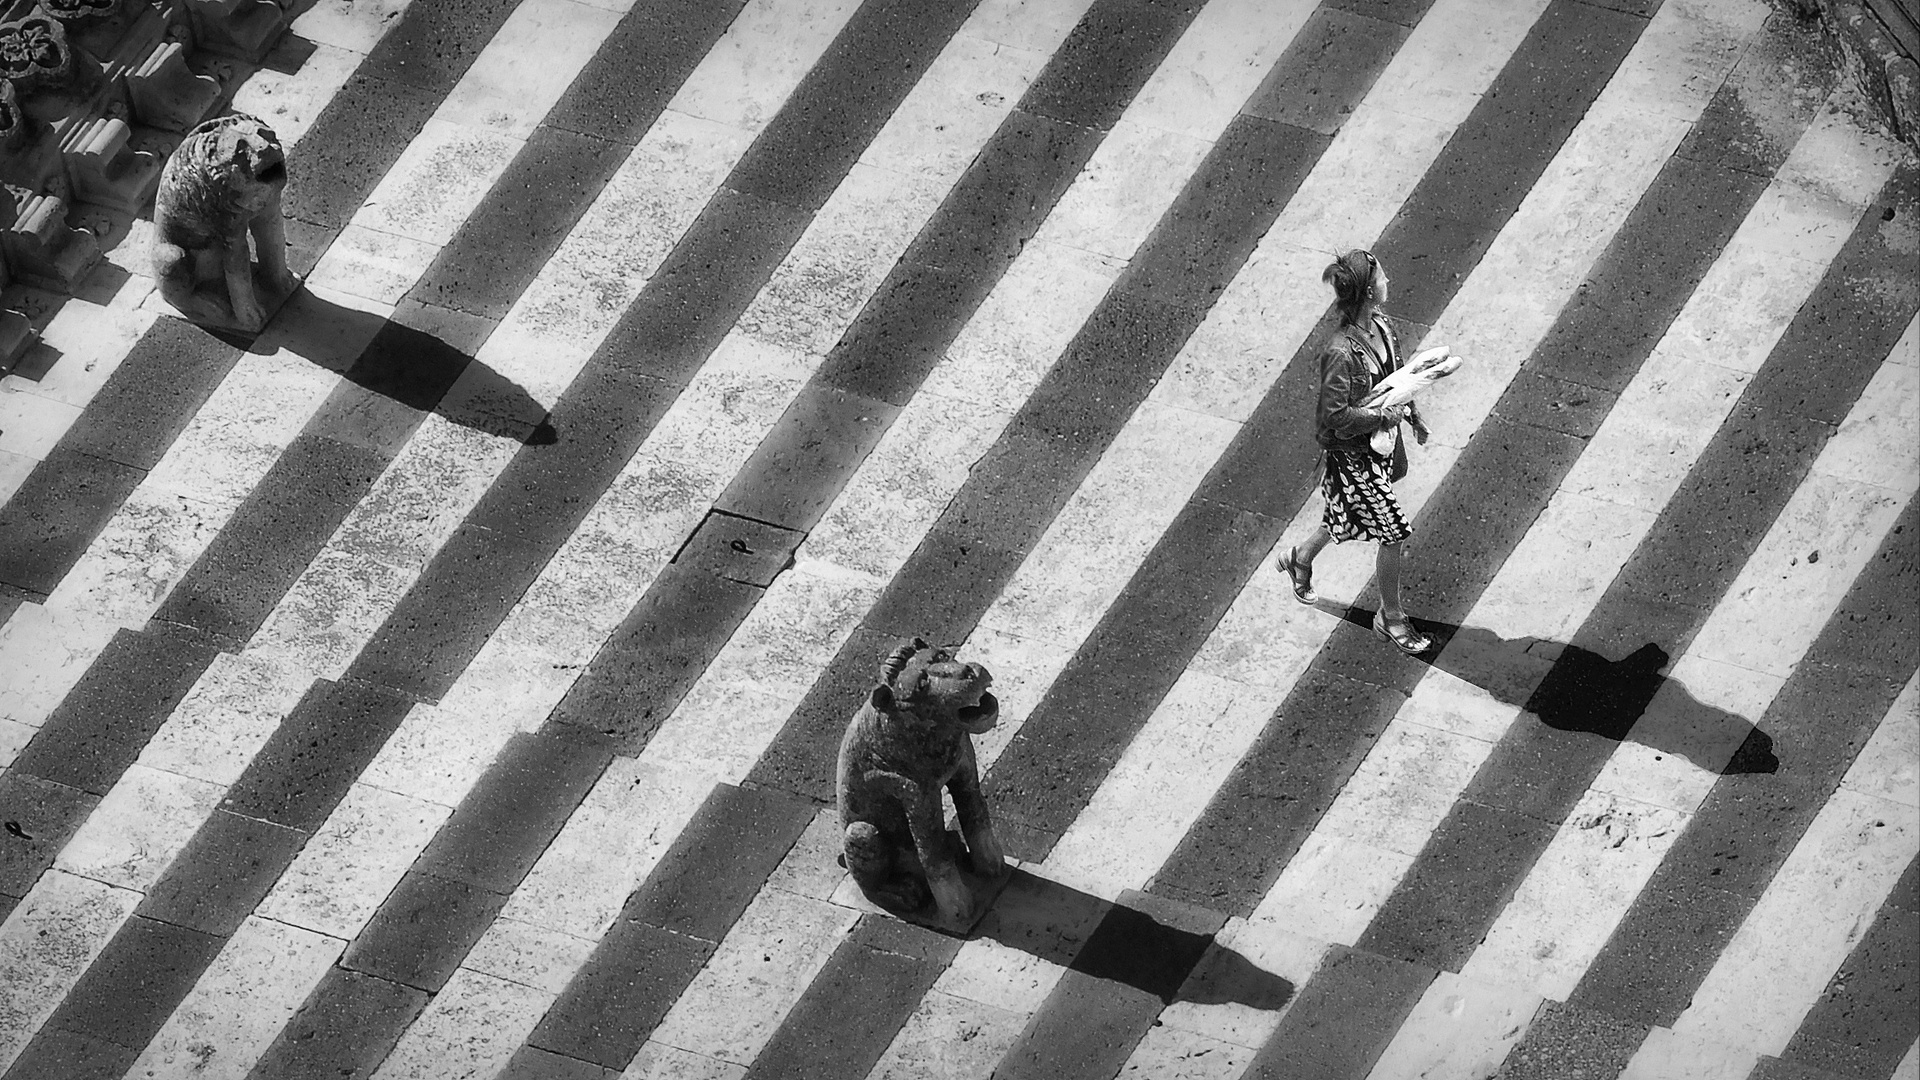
(1358, 482)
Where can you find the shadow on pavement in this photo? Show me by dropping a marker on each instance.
(404, 364)
(1127, 945)
(1575, 689)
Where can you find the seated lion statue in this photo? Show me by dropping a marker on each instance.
(909, 741)
(222, 183)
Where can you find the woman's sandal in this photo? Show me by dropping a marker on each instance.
(1404, 636)
(1300, 576)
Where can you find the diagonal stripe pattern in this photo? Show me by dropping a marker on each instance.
(447, 684)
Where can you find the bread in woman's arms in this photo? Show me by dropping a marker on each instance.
(1401, 386)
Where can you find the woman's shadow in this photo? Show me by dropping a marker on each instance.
(1575, 689)
(404, 364)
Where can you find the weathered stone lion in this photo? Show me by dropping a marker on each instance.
(222, 183)
(909, 741)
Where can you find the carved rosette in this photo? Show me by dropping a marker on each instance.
(34, 51)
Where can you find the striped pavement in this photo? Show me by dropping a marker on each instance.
(446, 684)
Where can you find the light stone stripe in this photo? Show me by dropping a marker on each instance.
(1909, 1067)
(344, 871)
(1817, 907)
(1644, 797)
(44, 652)
(1577, 544)
(737, 1001)
(218, 459)
(1669, 1055)
(994, 363)
(628, 537)
(1516, 293)
(1223, 371)
(168, 521)
(1519, 300)
(355, 858)
(802, 613)
(94, 332)
(151, 542)
(469, 1029)
(1237, 353)
(622, 545)
(1460, 1029)
(1889, 765)
(54, 933)
(437, 181)
(242, 1001)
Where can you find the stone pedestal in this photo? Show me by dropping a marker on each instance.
(39, 246)
(243, 29)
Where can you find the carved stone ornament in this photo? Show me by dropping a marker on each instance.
(34, 51)
(910, 741)
(73, 11)
(222, 183)
(15, 128)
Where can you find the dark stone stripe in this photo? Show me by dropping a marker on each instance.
(1136, 960)
(224, 871)
(1664, 248)
(1105, 60)
(502, 245)
(498, 831)
(423, 929)
(1150, 634)
(1679, 572)
(313, 756)
(149, 398)
(230, 863)
(360, 133)
(533, 1063)
(406, 368)
(413, 360)
(67, 499)
(1567, 1042)
(875, 60)
(671, 924)
(849, 1013)
(68, 1055)
(40, 816)
(634, 976)
(1869, 1015)
(345, 1028)
(1748, 824)
(1772, 1068)
(639, 676)
(570, 157)
(422, 933)
(99, 728)
(1345, 1017)
(1062, 429)
(127, 993)
(715, 272)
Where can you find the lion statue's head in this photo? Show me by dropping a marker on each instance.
(226, 169)
(930, 684)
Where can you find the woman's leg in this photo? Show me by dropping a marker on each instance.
(1307, 550)
(1387, 576)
